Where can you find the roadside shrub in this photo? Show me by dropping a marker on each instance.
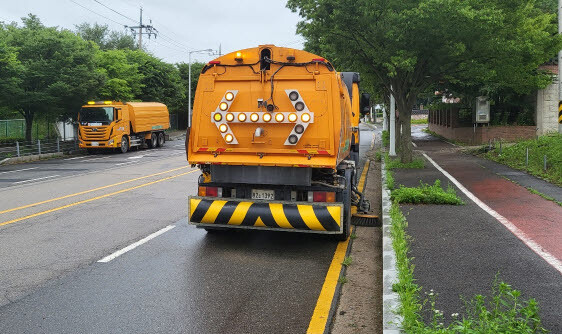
(386, 138)
(427, 194)
(392, 163)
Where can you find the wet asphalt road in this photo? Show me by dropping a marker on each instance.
(182, 281)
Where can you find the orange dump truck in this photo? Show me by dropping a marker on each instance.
(273, 135)
(118, 125)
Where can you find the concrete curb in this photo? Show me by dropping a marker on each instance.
(391, 321)
(29, 158)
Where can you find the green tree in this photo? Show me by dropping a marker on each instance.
(184, 74)
(408, 46)
(160, 80)
(124, 81)
(56, 71)
(106, 39)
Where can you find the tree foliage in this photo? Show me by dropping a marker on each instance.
(105, 38)
(484, 46)
(55, 70)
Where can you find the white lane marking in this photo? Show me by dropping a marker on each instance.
(18, 170)
(549, 258)
(127, 163)
(414, 144)
(136, 157)
(40, 178)
(76, 158)
(136, 244)
(182, 145)
(96, 159)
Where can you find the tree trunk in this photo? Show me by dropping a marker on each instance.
(28, 126)
(405, 110)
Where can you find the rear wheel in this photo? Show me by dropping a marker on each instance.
(153, 141)
(346, 224)
(124, 144)
(161, 139)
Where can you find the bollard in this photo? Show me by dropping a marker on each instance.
(58, 145)
(544, 160)
(18, 148)
(39, 146)
(527, 158)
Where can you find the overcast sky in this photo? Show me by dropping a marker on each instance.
(182, 24)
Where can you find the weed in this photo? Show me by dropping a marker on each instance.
(353, 236)
(342, 280)
(419, 121)
(347, 261)
(515, 156)
(391, 163)
(536, 192)
(427, 194)
(378, 156)
(385, 138)
(389, 180)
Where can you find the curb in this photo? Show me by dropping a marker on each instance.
(29, 158)
(390, 300)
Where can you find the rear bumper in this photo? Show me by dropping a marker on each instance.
(323, 218)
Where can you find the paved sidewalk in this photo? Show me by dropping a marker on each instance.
(458, 250)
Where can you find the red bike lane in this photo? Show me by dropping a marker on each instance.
(538, 219)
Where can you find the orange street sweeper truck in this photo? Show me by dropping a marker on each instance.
(273, 132)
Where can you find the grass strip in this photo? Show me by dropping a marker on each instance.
(392, 163)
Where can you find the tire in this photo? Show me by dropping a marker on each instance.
(153, 141)
(346, 209)
(161, 139)
(124, 144)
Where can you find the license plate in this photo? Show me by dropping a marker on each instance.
(95, 143)
(268, 195)
(94, 124)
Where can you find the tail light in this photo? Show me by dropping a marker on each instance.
(210, 191)
(321, 196)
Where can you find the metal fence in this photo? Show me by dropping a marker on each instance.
(12, 128)
(23, 148)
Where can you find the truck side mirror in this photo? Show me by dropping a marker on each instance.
(365, 104)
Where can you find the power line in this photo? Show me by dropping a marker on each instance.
(113, 10)
(88, 9)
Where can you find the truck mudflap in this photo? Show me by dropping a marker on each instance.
(323, 218)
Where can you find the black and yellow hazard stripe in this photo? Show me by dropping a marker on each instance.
(233, 213)
(560, 112)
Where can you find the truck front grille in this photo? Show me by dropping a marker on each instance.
(95, 133)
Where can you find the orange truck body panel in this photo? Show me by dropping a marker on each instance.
(148, 116)
(326, 139)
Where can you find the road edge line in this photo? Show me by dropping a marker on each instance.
(327, 301)
(134, 245)
(535, 247)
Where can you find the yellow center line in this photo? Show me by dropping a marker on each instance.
(91, 190)
(93, 199)
(319, 318)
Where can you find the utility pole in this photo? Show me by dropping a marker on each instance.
(560, 70)
(392, 126)
(150, 30)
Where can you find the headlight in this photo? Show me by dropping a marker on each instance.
(110, 142)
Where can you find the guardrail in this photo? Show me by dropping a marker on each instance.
(25, 148)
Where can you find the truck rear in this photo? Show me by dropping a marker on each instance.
(118, 125)
(272, 135)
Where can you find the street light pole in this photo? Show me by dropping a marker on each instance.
(189, 84)
(392, 124)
